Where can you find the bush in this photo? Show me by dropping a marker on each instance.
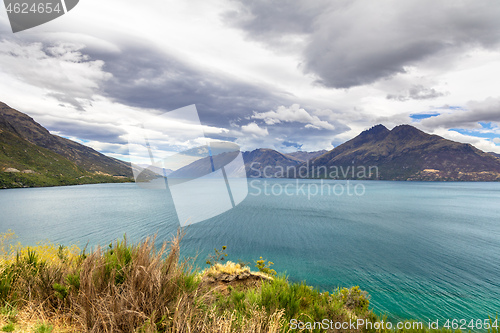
(355, 299)
(264, 266)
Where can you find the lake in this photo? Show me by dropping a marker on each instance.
(422, 250)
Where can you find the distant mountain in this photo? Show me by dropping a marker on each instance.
(258, 163)
(306, 155)
(403, 153)
(267, 163)
(31, 156)
(157, 170)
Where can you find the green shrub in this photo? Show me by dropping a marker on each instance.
(117, 259)
(355, 299)
(73, 280)
(264, 266)
(6, 280)
(60, 290)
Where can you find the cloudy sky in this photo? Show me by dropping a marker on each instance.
(289, 75)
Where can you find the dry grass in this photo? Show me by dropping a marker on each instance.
(228, 268)
(122, 288)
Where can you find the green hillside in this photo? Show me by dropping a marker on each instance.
(26, 164)
(39, 166)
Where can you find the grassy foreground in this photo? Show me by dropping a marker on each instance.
(144, 288)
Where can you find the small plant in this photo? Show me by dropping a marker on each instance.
(5, 238)
(6, 280)
(10, 312)
(73, 280)
(10, 327)
(355, 298)
(44, 328)
(243, 263)
(31, 258)
(61, 254)
(217, 257)
(118, 259)
(60, 290)
(264, 266)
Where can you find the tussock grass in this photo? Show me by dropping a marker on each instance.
(228, 268)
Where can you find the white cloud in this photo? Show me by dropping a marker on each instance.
(480, 143)
(294, 113)
(254, 130)
(60, 69)
(487, 110)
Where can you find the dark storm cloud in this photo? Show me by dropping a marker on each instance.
(64, 98)
(266, 20)
(417, 92)
(148, 78)
(359, 42)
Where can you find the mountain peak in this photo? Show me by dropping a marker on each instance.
(405, 127)
(408, 132)
(376, 129)
(376, 133)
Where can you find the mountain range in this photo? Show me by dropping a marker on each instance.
(403, 153)
(31, 156)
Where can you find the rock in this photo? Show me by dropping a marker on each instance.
(264, 277)
(221, 277)
(11, 170)
(231, 278)
(244, 276)
(28, 171)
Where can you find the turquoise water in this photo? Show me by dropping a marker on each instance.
(422, 250)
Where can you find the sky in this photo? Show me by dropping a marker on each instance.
(288, 75)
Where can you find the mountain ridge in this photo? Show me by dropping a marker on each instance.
(85, 157)
(407, 153)
(31, 157)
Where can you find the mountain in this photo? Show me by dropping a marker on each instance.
(267, 163)
(306, 155)
(259, 163)
(495, 154)
(83, 156)
(31, 156)
(403, 153)
(157, 170)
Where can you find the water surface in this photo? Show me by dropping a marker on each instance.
(422, 250)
